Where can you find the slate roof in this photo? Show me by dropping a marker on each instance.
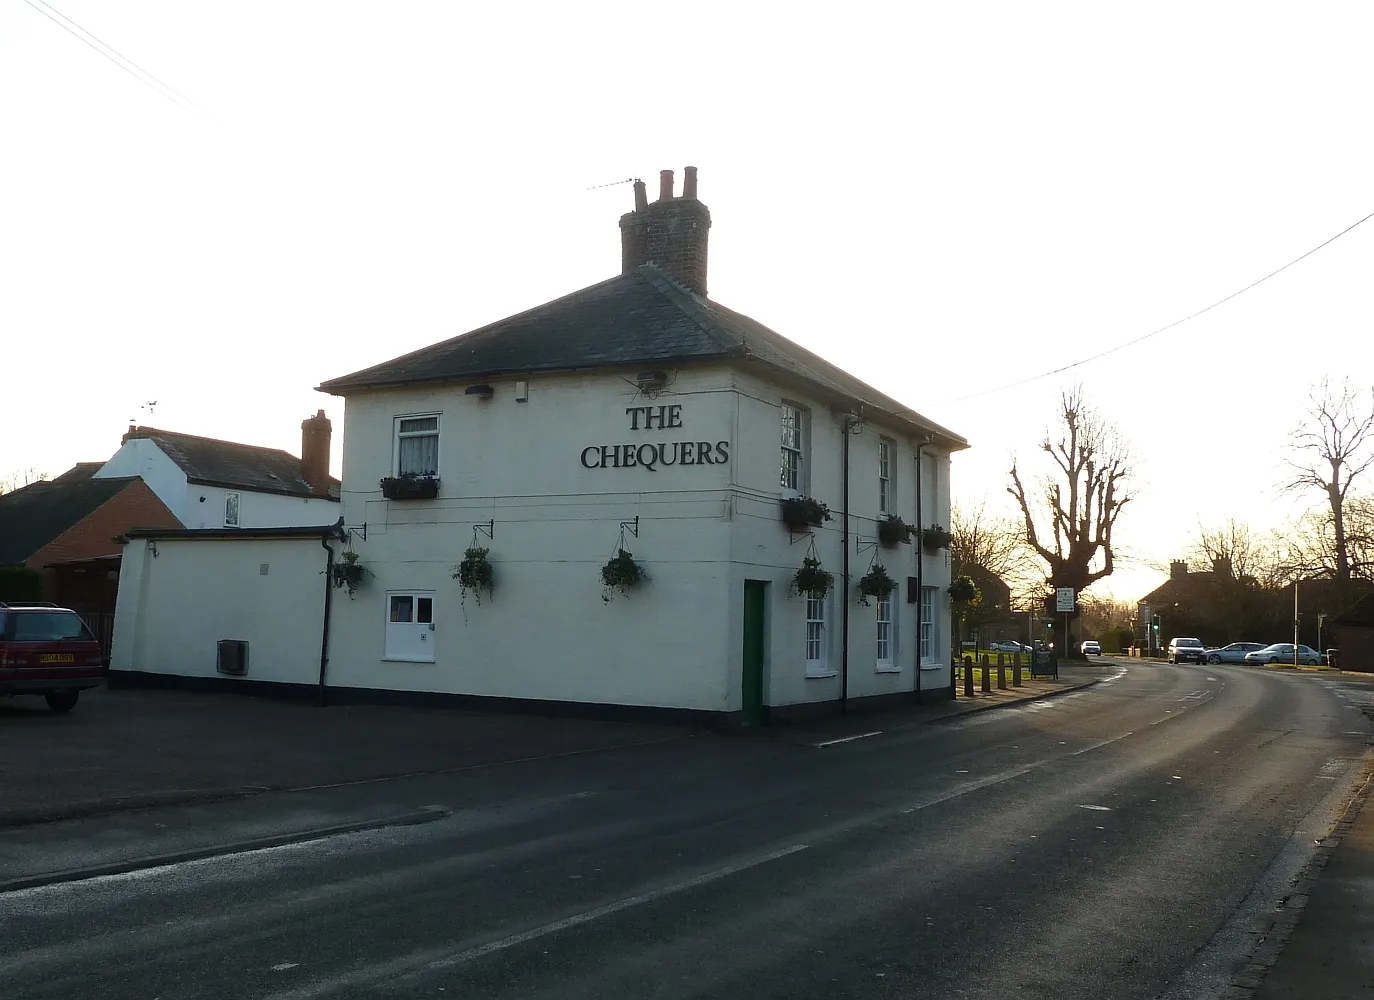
(79, 471)
(638, 319)
(32, 517)
(211, 462)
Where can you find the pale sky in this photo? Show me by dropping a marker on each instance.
(939, 197)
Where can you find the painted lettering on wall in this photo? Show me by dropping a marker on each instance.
(653, 456)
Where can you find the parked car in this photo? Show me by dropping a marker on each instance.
(46, 650)
(1091, 647)
(1233, 653)
(1282, 652)
(1007, 646)
(1185, 650)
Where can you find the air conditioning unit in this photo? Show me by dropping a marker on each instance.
(232, 657)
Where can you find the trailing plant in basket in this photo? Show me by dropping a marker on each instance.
(348, 572)
(964, 592)
(935, 538)
(811, 580)
(876, 584)
(892, 530)
(620, 574)
(800, 513)
(474, 573)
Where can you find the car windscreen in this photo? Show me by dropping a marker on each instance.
(49, 626)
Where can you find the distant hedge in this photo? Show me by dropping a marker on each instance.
(19, 583)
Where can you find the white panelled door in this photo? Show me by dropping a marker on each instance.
(410, 626)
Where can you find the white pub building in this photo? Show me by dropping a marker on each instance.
(636, 415)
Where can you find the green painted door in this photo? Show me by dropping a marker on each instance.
(755, 612)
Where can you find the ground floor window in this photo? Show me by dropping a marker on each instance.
(816, 660)
(927, 624)
(410, 626)
(886, 635)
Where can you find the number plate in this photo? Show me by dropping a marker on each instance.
(56, 658)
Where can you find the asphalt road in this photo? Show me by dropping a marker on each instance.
(1123, 841)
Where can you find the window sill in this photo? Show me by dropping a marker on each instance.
(405, 659)
(821, 676)
(932, 666)
(887, 670)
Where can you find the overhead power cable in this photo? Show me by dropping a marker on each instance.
(123, 62)
(1162, 329)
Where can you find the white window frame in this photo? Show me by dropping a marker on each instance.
(885, 616)
(397, 434)
(798, 448)
(819, 666)
(887, 493)
(926, 626)
(416, 596)
(237, 500)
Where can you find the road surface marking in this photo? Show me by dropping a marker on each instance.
(848, 739)
(1105, 809)
(434, 959)
(1098, 746)
(283, 966)
(1211, 678)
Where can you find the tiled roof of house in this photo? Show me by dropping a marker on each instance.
(32, 517)
(640, 318)
(211, 462)
(79, 471)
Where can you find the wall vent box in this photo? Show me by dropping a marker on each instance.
(232, 657)
(522, 391)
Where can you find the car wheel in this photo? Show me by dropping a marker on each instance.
(61, 701)
(1214, 658)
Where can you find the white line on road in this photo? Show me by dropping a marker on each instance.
(1105, 809)
(848, 739)
(435, 959)
(1098, 746)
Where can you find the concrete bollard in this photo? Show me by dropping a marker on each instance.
(968, 676)
(1016, 672)
(1001, 671)
(987, 675)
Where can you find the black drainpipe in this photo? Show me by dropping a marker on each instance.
(844, 573)
(328, 602)
(920, 566)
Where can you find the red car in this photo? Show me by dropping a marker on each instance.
(48, 650)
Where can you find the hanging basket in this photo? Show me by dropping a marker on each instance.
(935, 538)
(620, 574)
(965, 592)
(892, 530)
(474, 573)
(875, 584)
(348, 573)
(803, 513)
(811, 580)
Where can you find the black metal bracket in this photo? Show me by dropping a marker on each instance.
(355, 533)
(796, 536)
(487, 528)
(631, 526)
(862, 542)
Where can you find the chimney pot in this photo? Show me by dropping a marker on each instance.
(689, 182)
(665, 185)
(641, 196)
(670, 234)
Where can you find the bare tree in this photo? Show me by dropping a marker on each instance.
(1329, 451)
(1231, 550)
(994, 543)
(18, 480)
(1072, 510)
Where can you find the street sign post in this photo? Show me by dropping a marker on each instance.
(1063, 599)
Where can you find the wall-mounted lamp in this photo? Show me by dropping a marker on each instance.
(649, 381)
(481, 391)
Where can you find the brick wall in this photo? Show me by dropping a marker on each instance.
(671, 233)
(135, 506)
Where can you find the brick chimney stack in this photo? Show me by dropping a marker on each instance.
(1178, 568)
(316, 434)
(670, 233)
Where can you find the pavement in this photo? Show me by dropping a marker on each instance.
(1132, 839)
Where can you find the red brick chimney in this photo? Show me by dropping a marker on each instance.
(669, 233)
(316, 433)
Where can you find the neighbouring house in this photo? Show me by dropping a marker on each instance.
(636, 414)
(209, 483)
(66, 530)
